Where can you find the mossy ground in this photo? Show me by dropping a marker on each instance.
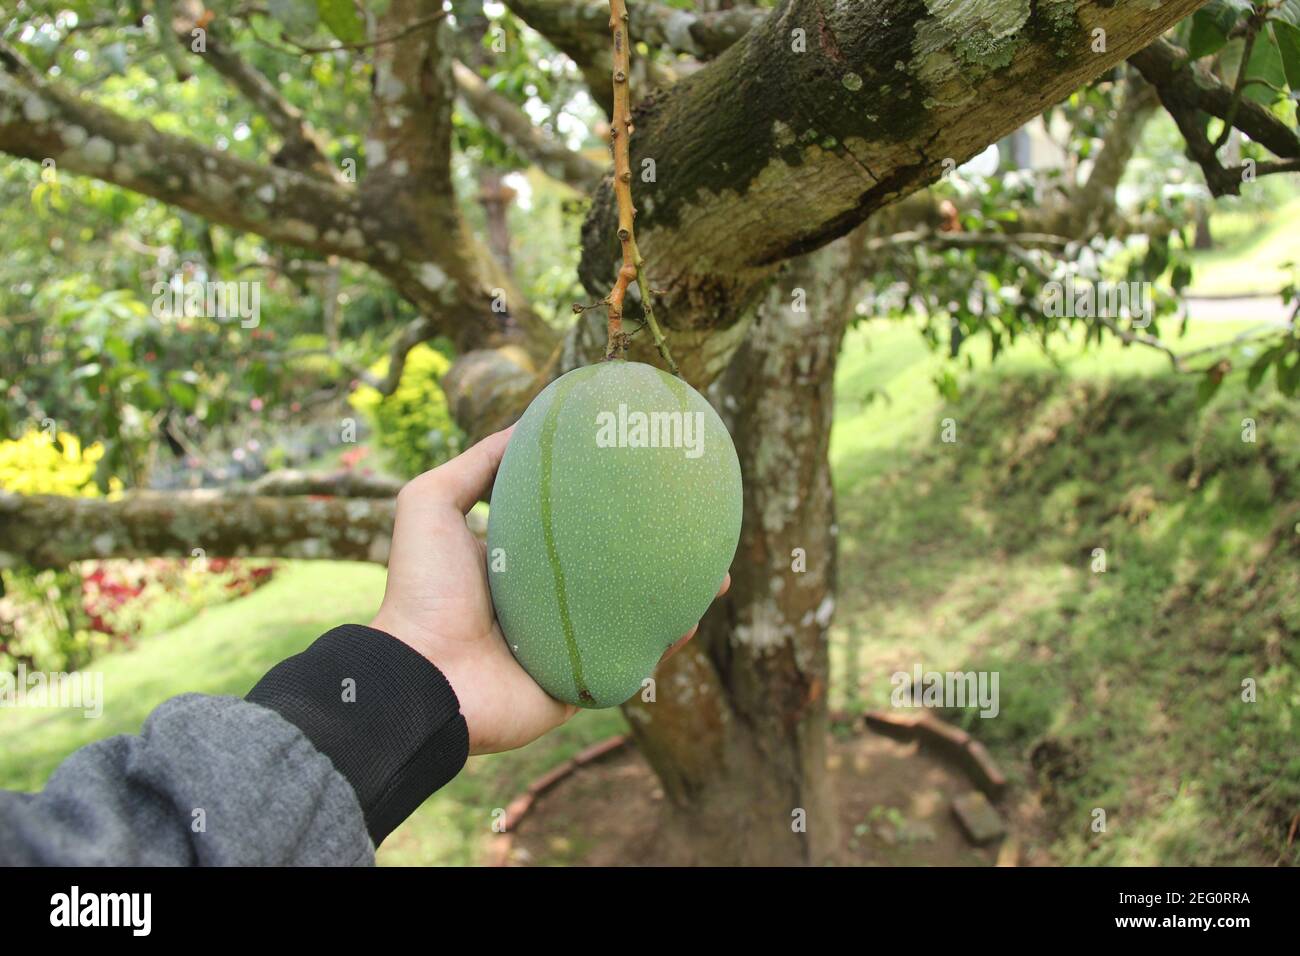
(1119, 691)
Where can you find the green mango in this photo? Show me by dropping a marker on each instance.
(614, 518)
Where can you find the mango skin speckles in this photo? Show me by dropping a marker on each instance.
(601, 555)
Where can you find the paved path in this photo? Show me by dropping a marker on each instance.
(1239, 309)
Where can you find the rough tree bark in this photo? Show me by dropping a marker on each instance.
(738, 730)
(817, 118)
(827, 112)
(51, 531)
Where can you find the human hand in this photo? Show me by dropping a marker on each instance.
(437, 601)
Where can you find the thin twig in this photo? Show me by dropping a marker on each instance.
(1252, 31)
(299, 49)
(620, 135)
(656, 332)
(1267, 168)
(1257, 332)
(958, 240)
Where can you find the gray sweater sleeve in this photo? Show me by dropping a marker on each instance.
(300, 773)
(209, 781)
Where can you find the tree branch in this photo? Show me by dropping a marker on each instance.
(620, 135)
(347, 483)
(1265, 169)
(51, 531)
(408, 144)
(1165, 66)
(269, 519)
(579, 30)
(521, 134)
(703, 35)
(409, 336)
(620, 132)
(966, 240)
(403, 221)
(38, 121)
(303, 49)
(1092, 204)
(457, 284)
(817, 119)
(302, 147)
(1252, 26)
(1187, 93)
(581, 26)
(824, 114)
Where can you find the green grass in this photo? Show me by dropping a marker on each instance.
(223, 650)
(1121, 690)
(1118, 690)
(1252, 250)
(226, 649)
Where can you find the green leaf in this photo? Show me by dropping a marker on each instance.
(1287, 12)
(182, 394)
(296, 17)
(115, 56)
(1288, 45)
(1265, 64)
(946, 384)
(1288, 375)
(1213, 23)
(1210, 26)
(118, 348)
(1259, 368)
(146, 395)
(1208, 385)
(342, 19)
(1157, 258)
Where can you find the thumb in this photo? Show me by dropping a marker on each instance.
(468, 477)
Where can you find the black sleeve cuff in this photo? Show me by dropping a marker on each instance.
(384, 715)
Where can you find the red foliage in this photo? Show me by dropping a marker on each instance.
(109, 586)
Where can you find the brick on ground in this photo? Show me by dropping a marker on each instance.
(981, 823)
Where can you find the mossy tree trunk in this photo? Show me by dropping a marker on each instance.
(738, 729)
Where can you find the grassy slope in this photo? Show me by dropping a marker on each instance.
(1118, 690)
(1253, 249)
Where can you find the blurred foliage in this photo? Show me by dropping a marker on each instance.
(43, 624)
(45, 463)
(42, 621)
(996, 293)
(413, 424)
(59, 620)
(90, 343)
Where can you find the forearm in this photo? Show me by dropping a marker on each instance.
(386, 717)
(332, 749)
